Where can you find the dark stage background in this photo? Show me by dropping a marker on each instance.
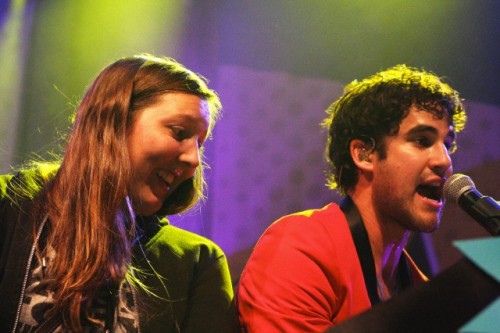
(277, 65)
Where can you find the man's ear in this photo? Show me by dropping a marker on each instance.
(361, 154)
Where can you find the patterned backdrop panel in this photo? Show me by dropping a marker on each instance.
(268, 155)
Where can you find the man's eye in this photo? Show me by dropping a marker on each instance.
(423, 141)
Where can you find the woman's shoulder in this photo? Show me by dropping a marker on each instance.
(4, 184)
(182, 243)
(27, 182)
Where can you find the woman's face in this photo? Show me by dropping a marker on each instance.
(163, 143)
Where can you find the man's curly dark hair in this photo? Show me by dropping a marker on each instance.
(374, 108)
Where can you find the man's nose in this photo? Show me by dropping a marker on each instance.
(440, 160)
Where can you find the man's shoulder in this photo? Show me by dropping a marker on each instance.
(311, 218)
(321, 228)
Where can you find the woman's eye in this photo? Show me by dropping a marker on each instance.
(179, 133)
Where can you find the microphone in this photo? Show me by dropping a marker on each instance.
(460, 189)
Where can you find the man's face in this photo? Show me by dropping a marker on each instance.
(407, 184)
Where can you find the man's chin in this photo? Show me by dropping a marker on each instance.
(429, 227)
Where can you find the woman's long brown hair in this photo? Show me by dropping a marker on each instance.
(91, 228)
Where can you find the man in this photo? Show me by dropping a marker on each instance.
(389, 145)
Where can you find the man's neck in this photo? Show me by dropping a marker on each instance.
(387, 240)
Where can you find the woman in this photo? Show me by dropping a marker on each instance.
(84, 242)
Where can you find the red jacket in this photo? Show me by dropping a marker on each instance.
(304, 275)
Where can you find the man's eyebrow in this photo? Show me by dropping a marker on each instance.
(420, 129)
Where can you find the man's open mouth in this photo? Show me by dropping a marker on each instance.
(430, 192)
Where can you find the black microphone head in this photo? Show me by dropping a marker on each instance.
(456, 185)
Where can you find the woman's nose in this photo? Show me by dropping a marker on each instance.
(190, 153)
